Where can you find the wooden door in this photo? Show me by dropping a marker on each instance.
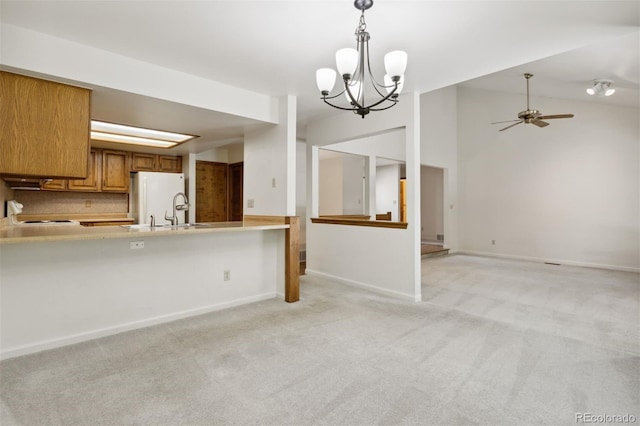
(403, 200)
(211, 191)
(236, 174)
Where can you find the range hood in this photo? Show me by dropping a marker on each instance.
(28, 184)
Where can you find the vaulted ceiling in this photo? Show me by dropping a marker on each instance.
(274, 47)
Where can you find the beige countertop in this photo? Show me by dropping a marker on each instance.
(11, 234)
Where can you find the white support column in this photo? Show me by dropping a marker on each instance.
(413, 189)
(370, 185)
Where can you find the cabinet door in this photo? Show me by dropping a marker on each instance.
(92, 182)
(44, 127)
(143, 162)
(115, 171)
(169, 163)
(53, 184)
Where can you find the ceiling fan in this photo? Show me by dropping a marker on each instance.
(532, 116)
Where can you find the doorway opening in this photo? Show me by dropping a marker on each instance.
(432, 233)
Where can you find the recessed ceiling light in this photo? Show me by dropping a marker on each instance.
(120, 133)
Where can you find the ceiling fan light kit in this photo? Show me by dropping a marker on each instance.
(532, 116)
(352, 64)
(601, 87)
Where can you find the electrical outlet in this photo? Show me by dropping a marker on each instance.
(136, 245)
(227, 275)
(493, 242)
(87, 204)
(273, 182)
(250, 203)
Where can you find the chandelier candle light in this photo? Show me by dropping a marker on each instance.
(352, 64)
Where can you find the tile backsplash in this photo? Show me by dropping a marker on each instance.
(44, 202)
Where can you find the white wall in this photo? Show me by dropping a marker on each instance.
(30, 50)
(216, 155)
(57, 293)
(390, 144)
(388, 190)
(439, 148)
(235, 153)
(352, 184)
(568, 192)
(301, 190)
(330, 186)
(432, 208)
(381, 259)
(270, 164)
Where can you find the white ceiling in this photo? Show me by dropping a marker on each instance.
(274, 48)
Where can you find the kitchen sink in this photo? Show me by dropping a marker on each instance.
(167, 227)
(188, 225)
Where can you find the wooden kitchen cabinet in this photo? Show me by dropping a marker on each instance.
(108, 172)
(169, 163)
(44, 130)
(53, 184)
(141, 162)
(92, 182)
(115, 171)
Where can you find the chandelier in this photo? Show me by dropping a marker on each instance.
(352, 65)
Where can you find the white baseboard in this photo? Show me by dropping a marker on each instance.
(120, 328)
(543, 260)
(370, 287)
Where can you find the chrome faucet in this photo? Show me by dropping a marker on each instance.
(182, 207)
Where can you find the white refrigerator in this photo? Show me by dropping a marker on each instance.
(153, 194)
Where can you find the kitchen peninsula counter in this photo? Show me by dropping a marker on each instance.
(27, 233)
(64, 284)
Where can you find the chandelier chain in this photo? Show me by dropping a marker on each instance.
(362, 26)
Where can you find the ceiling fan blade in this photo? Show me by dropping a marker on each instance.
(551, 117)
(540, 123)
(508, 127)
(508, 121)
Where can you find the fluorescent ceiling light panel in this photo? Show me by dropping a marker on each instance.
(120, 133)
(133, 140)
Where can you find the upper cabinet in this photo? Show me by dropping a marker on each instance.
(92, 182)
(44, 128)
(108, 172)
(141, 162)
(115, 171)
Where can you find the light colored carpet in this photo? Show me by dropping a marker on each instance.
(494, 343)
